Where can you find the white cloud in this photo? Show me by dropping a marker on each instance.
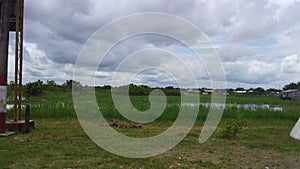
(37, 65)
(252, 72)
(290, 65)
(255, 20)
(56, 30)
(264, 74)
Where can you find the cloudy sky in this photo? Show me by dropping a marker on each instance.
(257, 41)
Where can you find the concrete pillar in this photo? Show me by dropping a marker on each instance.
(4, 38)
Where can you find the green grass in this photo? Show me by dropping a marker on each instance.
(59, 141)
(63, 144)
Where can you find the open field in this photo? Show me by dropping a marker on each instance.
(59, 141)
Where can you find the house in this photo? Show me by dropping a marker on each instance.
(190, 91)
(291, 94)
(240, 91)
(208, 91)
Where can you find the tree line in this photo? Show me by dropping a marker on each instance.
(292, 86)
(40, 87)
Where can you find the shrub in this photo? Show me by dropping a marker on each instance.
(232, 127)
(229, 129)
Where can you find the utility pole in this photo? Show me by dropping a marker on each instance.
(4, 39)
(11, 19)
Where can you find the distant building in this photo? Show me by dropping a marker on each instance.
(191, 90)
(208, 91)
(240, 91)
(291, 94)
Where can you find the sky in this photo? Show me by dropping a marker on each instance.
(257, 41)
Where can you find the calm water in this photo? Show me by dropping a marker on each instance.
(59, 104)
(252, 107)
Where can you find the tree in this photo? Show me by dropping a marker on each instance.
(142, 90)
(240, 89)
(106, 87)
(292, 86)
(230, 91)
(272, 90)
(169, 87)
(259, 91)
(50, 85)
(33, 88)
(69, 84)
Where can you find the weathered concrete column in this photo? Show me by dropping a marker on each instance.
(4, 38)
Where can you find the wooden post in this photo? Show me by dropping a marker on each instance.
(27, 118)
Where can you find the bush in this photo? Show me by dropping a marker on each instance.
(232, 127)
(229, 129)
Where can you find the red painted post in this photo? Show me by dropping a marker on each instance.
(3, 90)
(4, 38)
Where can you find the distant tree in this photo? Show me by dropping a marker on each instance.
(239, 89)
(171, 91)
(50, 85)
(272, 90)
(69, 84)
(169, 87)
(106, 87)
(33, 88)
(259, 91)
(144, 90)
(292, 86)
(141, 90)
(230, 91)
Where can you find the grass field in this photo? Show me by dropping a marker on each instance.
(59, 141)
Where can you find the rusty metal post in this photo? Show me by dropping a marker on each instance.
(18, 28)
(27, 118)
(4, 38)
